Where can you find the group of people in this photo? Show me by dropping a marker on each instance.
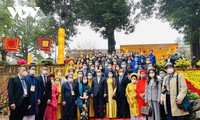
(98, 86)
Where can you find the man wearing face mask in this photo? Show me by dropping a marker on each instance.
(122, 82)
(110, 69)
(99, 92)
(45, 92)
(69, 96)
(19, 95)
(152, 57)
(92, 70)
(123, 66)
(85, 70)
(169, 98)
(35, 94)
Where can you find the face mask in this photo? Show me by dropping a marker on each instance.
(129, 61)
(115, 63)
(71, 73)
(121, 74)
(152, 75)
(106, 64)
(109, 67)
(133, 81)
(96, 64)
(80, 75)
(148, 62)
(24, 73)
(90, 63)
(123, 66)
(89, 77)
(162, 75)
(92, 68)
(100, 68)
(85, 81)
(98, 74)
(136, 66)
(149, 68)
(59, 73)
(44, 72)
(143, 76)
(110, 75)
(170, 70)
(32, 72)
(84, 67)
(117, 68)
(70, 80)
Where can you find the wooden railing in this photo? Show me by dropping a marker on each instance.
(13, 69)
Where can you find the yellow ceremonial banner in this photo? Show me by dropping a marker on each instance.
(30, 58)
(61, 45)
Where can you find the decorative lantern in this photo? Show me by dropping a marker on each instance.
(11, 44)
(45, 44)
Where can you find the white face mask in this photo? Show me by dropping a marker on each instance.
(92, 68)
(148, 62)
(24, 73)
(109, 67)
(170, 70)
(106, 64)
(44, 72)
(110, 75)
(59, 73)
(32, 72)
(121, 74)
(84, 67)
(123, 66)
(162, 75)
(133, 81)
(89, 77)
(152, 75)
(80, 75)
(70, 79)
(85, 81)
(117, 68)
(99, 74)
(71, 73)
(143, 76)
(115, 63)
(100, 68)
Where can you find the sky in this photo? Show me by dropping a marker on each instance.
(151, 31)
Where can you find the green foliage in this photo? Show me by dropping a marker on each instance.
(46, 62)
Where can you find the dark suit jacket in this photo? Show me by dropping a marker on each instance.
(100, 88)
(171, 61)
(16, 92)
(122, 87)
(85, 74)
(66, 92)
(45, 89)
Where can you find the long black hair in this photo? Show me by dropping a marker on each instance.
(155, 77)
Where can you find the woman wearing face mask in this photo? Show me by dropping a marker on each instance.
(51, 109)
(132, 97)
(84, 99)
(111, 105)
(58, 85)
(140, 89)
(169, 98)
(152, 94)
(162, 74)
(91, 109)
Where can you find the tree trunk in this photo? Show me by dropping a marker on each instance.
(3, 54)
(111, 42)
(194, 43)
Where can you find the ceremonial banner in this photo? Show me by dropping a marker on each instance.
(45, 44)
(11, 44)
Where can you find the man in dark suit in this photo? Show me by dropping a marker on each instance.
(99, 92)
(69, 96)
(18, 95)
(122, 81)
(170, 59)
(45, 92)
(85, 69)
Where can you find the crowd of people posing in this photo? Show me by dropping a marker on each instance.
(98, 86)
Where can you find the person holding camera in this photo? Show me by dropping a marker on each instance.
(169, 96)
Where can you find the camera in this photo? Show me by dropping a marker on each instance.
(164, 90)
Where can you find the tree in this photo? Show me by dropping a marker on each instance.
(106, 16)
(5, 24)
(183, 15)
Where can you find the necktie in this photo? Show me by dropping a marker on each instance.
(98, 80)
(23, 84)
(44, 80)
(120, 79)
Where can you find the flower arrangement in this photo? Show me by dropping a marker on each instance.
(182, 63)
(22, 62)
(198, 64)
(46, 62)
(84, 113)
(161, 63)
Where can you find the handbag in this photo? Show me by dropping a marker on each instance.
(146, 110)
(185, 104)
